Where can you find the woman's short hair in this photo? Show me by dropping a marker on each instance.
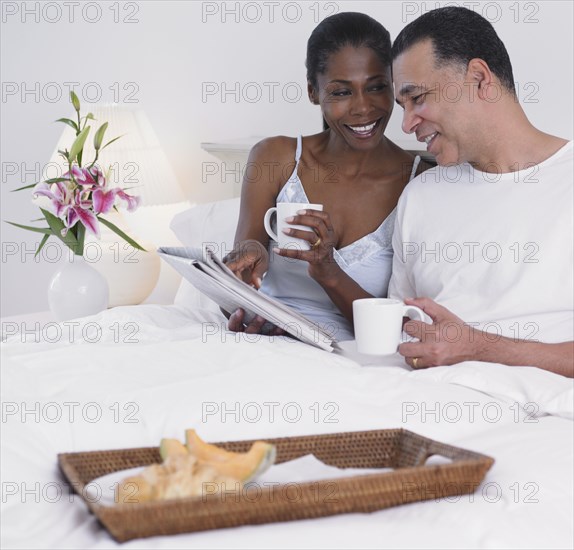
(345, 29)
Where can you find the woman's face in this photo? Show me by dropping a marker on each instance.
(356, 96)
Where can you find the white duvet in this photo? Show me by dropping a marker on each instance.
(132, 375)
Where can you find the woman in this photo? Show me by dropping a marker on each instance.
(351, 168)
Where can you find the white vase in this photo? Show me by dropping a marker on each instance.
(77, 289)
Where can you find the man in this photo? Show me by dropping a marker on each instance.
(488, 233)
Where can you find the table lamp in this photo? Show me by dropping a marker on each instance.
(139, 165)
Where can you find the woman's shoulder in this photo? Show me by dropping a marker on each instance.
(287, 146)
(269, 160)
(276, 147)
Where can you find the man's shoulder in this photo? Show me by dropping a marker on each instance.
(439, 176)
(562, 156)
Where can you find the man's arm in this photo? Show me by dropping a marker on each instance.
(400, 284)
(449, 340)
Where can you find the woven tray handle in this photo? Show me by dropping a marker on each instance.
(434, 448)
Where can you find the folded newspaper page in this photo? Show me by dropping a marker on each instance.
(206, 272)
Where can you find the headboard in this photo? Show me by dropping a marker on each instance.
(234, 154)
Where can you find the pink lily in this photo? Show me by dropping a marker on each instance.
(58, 193)
(69, 207)
(103, 200)
(89, 219)
(133, 202)
(83, 215)
(92, 177)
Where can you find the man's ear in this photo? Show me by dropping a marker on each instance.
(312, 94)
(479, 73)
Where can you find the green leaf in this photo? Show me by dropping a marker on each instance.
(99, 136)
(89, 116)
(44, 230)
(78, 144)
(111, 141)
(75, 101)
(56, 225)
(56, 180)
(25, 187)
(69, 123)
(80, 235)
(119, 232)
(42, 243)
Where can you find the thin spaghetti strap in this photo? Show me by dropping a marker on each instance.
(294, 176)
(299, 149)
(415, 166)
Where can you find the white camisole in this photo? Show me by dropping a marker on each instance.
(368, 261)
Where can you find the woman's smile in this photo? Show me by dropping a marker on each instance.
(364, 130)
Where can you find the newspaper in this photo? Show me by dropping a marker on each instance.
(206, 272)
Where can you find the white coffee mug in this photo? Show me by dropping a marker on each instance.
(285, 210)
(378, 324)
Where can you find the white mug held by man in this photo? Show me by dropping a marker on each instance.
(378, 324)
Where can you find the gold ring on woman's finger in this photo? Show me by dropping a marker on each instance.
(415, 361)
(316, 243)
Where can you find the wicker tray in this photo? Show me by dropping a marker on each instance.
(400, 449)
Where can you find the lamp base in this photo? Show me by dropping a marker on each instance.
(131, 274)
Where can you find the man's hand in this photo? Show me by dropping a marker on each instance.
(447, 341)
(450, 340)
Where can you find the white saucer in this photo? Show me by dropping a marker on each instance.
(348, 349)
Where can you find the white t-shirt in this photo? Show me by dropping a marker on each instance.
(495, 249)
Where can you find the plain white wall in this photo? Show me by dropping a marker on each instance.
(169, 57)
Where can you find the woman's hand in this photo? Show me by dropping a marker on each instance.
(322, 265)
(236, 324)
(249, 261)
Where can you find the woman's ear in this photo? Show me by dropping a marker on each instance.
(312, 94)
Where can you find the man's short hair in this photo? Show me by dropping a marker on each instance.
(458, 35)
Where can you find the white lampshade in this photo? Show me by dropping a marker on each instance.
(137, 159)
(138, 165)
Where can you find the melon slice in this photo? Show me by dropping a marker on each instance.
(240, 466)
(171, 447)
(206, 452)
(186, 469)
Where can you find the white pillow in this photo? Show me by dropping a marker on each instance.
(211, 223)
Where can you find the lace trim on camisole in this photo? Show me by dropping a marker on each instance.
(381, 238)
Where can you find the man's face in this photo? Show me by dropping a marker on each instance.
(437, 103)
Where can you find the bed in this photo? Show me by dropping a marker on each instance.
(131, 375)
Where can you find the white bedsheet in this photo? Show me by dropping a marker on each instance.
(150, 372)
